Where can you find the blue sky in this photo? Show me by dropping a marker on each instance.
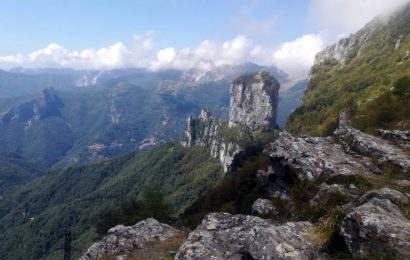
(83, 24)
(176, 33)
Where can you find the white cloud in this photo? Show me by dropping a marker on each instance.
(347, 16)
(209, 54)
(118, 55)
(296, 57)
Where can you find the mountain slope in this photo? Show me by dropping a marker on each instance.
(354, 72)
(15, 171)
(124, 110)
(62, 128)
(34, 217)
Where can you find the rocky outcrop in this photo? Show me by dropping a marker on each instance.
(263, 207)
(395, 135)
(254, 101)
(350, 151)
(205, 131)
(326, 191)
(202, 130)
(371, 146)
(253, 105)
(376, 229)
(144, 240)
(46, 105)
(308, 158)
(225, 236)
(394, 196)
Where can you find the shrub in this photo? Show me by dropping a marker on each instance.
(402, 86)
(153, 204)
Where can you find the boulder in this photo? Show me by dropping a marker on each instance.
(225, 236)
(325, 193)
(144, 239)
(395, 135)
(377, 229)
(254, 101)
(394, 196)
(263, 207)
(309, 158)
(402, 183)
(368, 145)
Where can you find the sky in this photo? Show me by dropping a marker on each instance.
(179, 34)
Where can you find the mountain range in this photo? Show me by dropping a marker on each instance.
(92, 115)
(83, 153)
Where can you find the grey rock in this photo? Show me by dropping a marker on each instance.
(394, 196)
(325, 192)
(225, 236)
(344, 49)
(395, 135)
(364, 144)
(309, 158)
(402, 183)
(205, 131)
(202, 130)
(375, 227)
(273, 182)
(228, 153)
(263, 207)
(124, 240)
(254, 101)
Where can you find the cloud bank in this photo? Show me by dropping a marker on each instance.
(335, 18)
(295, 57)
(347, 16)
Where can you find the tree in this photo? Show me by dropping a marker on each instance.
(154, 203)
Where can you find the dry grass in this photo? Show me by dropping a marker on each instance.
(328, 227)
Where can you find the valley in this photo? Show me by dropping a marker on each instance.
(197, 153)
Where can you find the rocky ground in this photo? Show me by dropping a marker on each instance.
(372, 220)
(345, 195)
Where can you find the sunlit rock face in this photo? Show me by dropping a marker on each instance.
(254, 101)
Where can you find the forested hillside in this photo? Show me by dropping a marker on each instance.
(34, 217)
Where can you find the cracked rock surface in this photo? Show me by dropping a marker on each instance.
(225, 236)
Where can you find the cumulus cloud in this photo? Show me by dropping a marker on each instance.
(296, 57)
(118, 55)
(141, 53)
(208, 54)
(349, 15)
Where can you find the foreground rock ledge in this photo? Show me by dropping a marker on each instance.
(375, 228)
(147, 239)
(225, 236)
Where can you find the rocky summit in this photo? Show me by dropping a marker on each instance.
(254, 101)
(225, 236)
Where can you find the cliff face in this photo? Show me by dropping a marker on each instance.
(253, 106)
(254, 101)
(205, 131)
(46, 105)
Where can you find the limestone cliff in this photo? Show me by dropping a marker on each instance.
(253, 108)
(254, 101)
(205, 131)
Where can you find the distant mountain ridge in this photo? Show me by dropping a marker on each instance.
(114, 112)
